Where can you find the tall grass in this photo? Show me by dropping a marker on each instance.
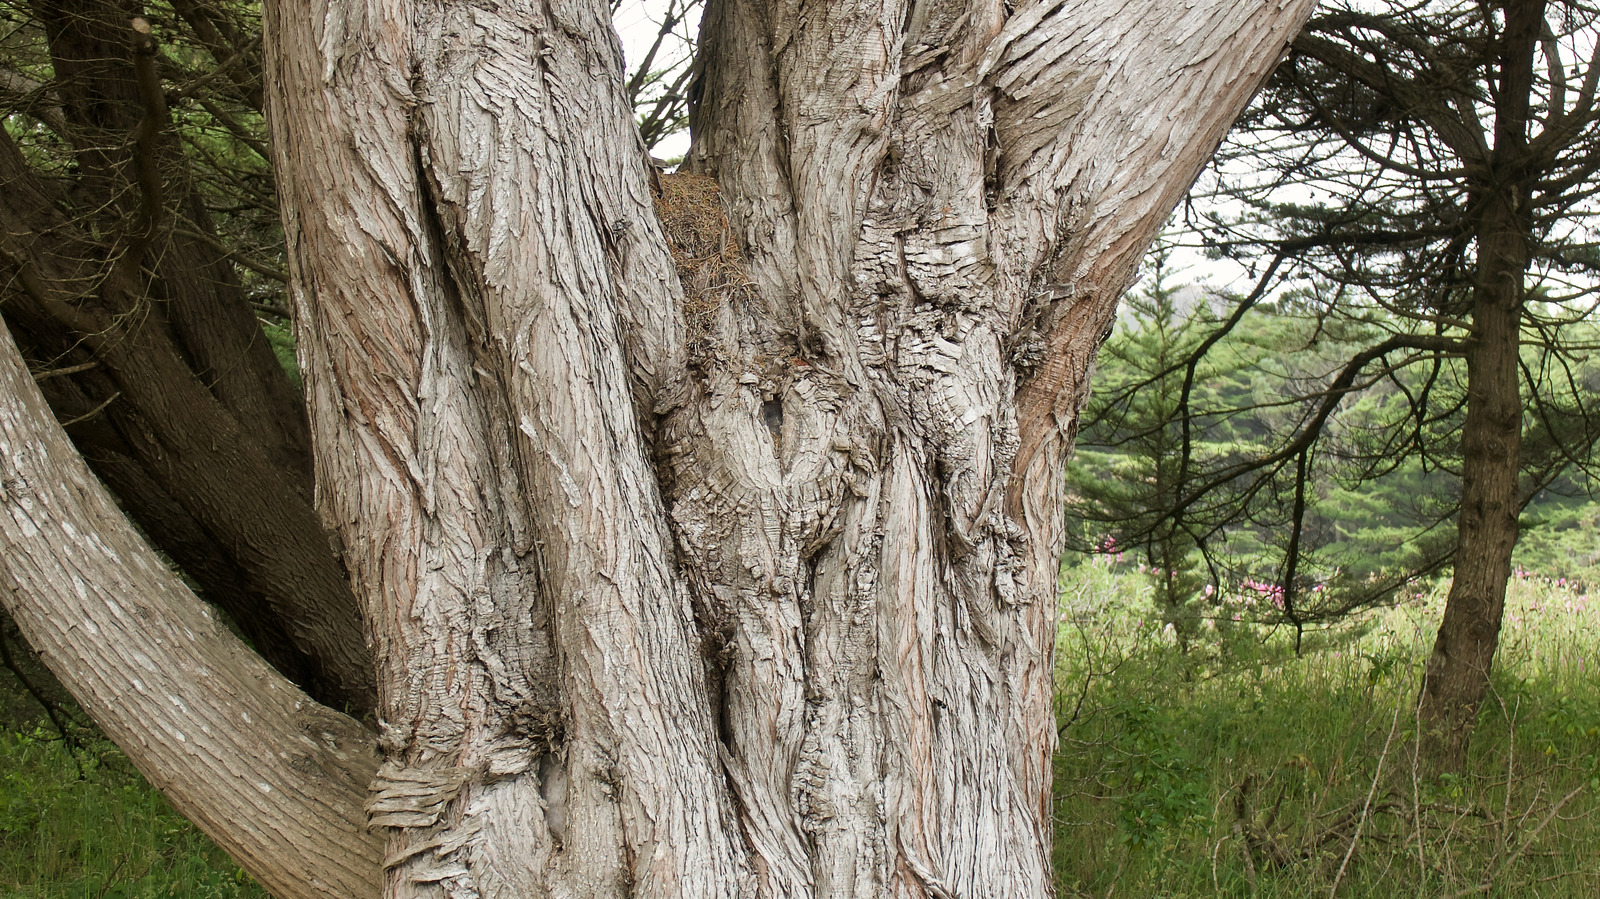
(1239, 769)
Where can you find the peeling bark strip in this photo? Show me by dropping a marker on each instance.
(277, 780)
(753, 597)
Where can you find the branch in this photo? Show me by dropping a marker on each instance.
(125, 271)
(240, 59)
(1463, 136)
(1336, 392)
(1119, 160)
(1354, 142)
(24, 95)
(276, 779)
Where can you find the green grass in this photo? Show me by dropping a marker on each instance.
(85, 825)
(1171, 765)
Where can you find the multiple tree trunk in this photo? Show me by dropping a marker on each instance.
(742, 588)
(152, 356)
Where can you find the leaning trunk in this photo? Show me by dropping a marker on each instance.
(276, 779)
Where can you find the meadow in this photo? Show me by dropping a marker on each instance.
(1235, 769)
(1241, 769)
(80, 823)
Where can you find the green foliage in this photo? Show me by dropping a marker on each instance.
(1202, 452)
(1162, 790)
(281, 336)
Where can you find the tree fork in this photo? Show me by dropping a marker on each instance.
(938, 208)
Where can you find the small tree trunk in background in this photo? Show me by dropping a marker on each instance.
(1457, 674)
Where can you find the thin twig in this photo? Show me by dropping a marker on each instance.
(47, 374)
(92, 412)
(1249, 857)
(1488, 881)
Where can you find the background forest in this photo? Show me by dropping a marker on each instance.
(1266, 490)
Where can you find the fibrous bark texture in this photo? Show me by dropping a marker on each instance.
(741, 584)
(941, 203)
(276, 779)
(773, 617)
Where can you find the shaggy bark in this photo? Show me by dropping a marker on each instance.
(940, 210)
(769, 618)
(816, 659)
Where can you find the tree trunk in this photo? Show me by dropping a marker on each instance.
(741, 586)
(745, 587)
(150, 351)
(97, 82)
(1457, 674)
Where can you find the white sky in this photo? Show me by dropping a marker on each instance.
(639, 21)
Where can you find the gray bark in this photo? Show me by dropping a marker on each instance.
(739, 587)
(941, 206)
